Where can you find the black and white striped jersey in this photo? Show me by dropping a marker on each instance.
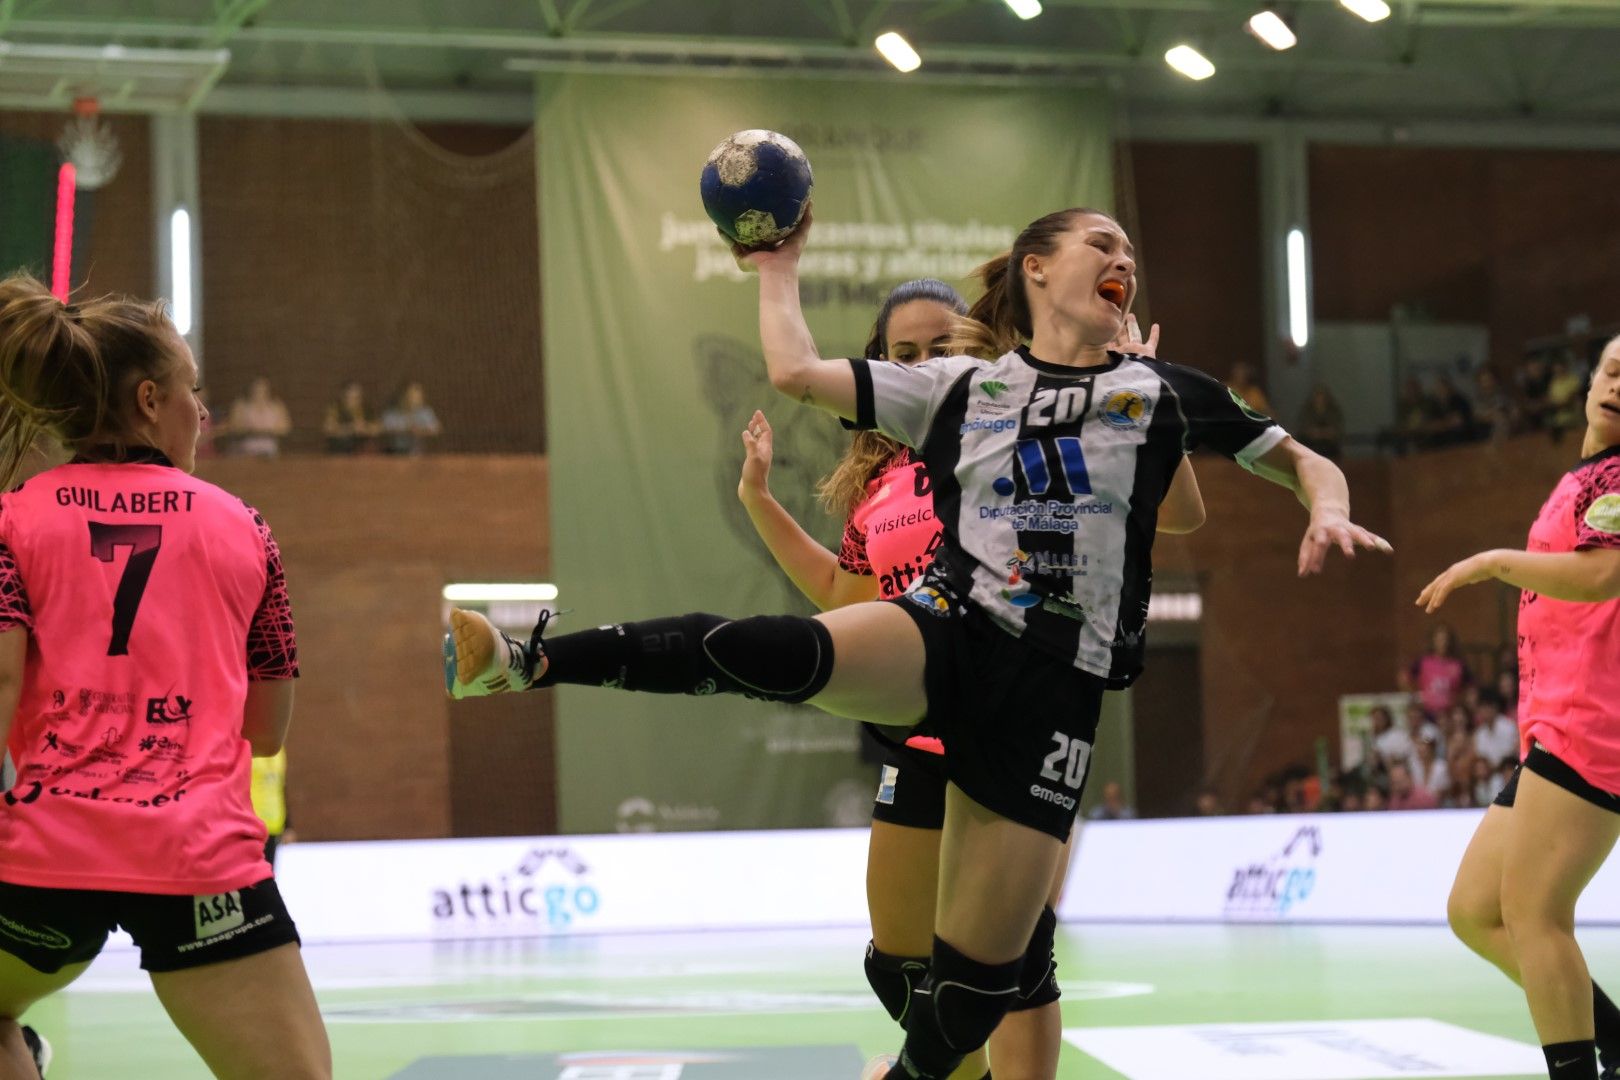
(1047, 483)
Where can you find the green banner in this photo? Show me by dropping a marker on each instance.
(652, 367)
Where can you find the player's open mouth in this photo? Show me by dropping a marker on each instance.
(1612, 409)
(1113, 292)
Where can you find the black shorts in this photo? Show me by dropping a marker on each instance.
(48, 929)
(1018, 724)
(911, 790)
(1545, 764)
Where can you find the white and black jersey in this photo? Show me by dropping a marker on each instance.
(1047, 483)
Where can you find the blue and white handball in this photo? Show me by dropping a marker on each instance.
(755, 186)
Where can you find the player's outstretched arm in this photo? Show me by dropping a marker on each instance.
(1321, 487)
(1584, 577)
(792, 360)
(812, 568)
(266, 714)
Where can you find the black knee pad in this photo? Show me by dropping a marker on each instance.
(1037, 980)
(773, 657)
(955, 1010)
(893, 978)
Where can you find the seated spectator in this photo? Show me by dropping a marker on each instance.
(1453, 420)
(1566, 402)
(409, 422)
(1406, 794)
(1351, 802)
(1533, 381)
(1415, 412)
(1321, 423)
(258, 422)
(1247, 387)
(1439, 675)
(1375, 799)
(1390, 742)
(1488, 782)
(1113, 806)
(1496, 734)
(1429, 768)
(1209, 804)
(1495, 415)
(349, 427)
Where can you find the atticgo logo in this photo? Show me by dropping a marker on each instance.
(1273, 888)
(549, 889)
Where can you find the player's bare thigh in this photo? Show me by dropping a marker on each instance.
(877, 670)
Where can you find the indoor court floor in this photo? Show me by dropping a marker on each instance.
(1141, 1003)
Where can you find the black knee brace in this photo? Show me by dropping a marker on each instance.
(771, 657)
(1037, 981)
(776, 657)
(955, 1010)
(893, 978)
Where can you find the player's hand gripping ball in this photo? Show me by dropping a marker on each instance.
(755, 187)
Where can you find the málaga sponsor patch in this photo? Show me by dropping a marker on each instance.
(1604, 515)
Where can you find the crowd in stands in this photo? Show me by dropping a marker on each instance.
(258, 423)
(1454, 745)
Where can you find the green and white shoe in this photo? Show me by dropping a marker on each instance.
(480, 660)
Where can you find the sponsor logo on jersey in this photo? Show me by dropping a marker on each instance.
(160, 710)
(1046, 794)
(1005, 423)
(1125, 409)
(993, 389)
(58, 700)
(1048, 515)
(929, 599)
(1066, 606)
(40, 937)
(1604, 515)
(1248, 410)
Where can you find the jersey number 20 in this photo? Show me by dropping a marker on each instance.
(143, 542)
(1068, 762)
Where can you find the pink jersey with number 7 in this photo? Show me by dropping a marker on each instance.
(151, 598)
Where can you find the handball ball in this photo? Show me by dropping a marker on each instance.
(755, 186)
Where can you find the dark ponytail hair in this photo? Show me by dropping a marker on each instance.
(68, 370)
(999, 319)
(869, 451)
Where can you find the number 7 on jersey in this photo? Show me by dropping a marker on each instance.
(143, 542)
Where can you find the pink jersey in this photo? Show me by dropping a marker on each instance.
(1440, 681)
(891, 534)
(1569, 653)
(150, 598)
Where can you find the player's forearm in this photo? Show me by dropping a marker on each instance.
(790, 351)
(812, 568)
(1319, 484)
(1579, 576)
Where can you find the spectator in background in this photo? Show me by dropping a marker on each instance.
(1439, 675)
(409, 422)
(1113, 806)
(1321, 423)
(1507, 694)
(1496, 734)
(349, 427)
(1495, 416)
(1566, 398)
(1488, 781)
(1209, 804)
(1533, 381)
(1405, 794)
(1374, 799)
(1249, 389)
(269, 789)
(1415, 412)
(1453, 422)
(1429, 769)
(258, 422)
(1390, 743)
(1351, 801)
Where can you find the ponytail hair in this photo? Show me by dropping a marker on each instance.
(999, 319)
(843, 488)
(68, 371)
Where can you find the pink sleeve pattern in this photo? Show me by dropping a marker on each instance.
(15, 610)
(852, 553)
(1597, 507)
(272, 643)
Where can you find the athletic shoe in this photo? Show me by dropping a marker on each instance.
(880, 1067)
(39, 1047)
(480, 660)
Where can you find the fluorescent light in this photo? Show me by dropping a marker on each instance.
(1175, 607)
(1272, 29)
(1371, 10)
(486, 593)
(1025, 9)
(1189, 62)
(898, 51)
(1298, 312)
(180, 268)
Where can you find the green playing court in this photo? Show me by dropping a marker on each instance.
(794, 1006)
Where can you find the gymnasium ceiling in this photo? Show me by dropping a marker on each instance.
(1492, 60)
